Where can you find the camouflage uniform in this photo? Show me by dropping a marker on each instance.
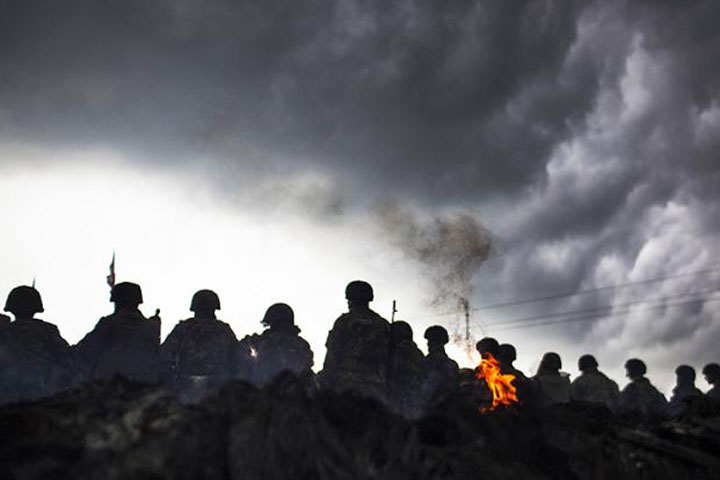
(442, 376)
(36, 360)
(714, 393)
(641, 396)
(357, 354)
(684, 398)
(199, 354)
(552, 388)
(593, 386)
(124, 343)
(405, 377)
(280, 350)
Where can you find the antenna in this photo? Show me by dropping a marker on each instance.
(394, 311)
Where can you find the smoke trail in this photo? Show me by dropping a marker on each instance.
(450, 248)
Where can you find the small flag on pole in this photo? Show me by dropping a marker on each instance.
(111, 277)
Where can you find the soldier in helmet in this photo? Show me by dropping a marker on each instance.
(488, 346)
(280, 348)
(124, 343)
(506, 356)
(199, 353)
(640, 395)
(593, 386)
(711, 371)
(686, 396)
(358, 347)
(36, 360)
(406, 371)
(442, 375)
(525, 389)
(551, 385)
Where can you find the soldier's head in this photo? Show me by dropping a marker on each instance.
(204, 303)
(711, 371)
(488, 346)
(126, 295)
(635, 368)
(359, 294)
(507, 353)
(685, 375)
(436, 337)
(400, 331)
(550, 362)
(24, 302)
(279, 316)
(587, 363)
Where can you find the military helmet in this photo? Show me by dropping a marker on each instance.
(24, 299)
(636, 367)
(126, 293)
(551, 361)
(401, 331)
(586, 362)
(685, 372)
(437, 334)
(204, 300)
(359, 291)
(507, 353)
(711, 370)
(488, 345)
(279, 315)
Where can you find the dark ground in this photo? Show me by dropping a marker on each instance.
(120, 430)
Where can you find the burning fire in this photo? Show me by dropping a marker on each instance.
(500, 384)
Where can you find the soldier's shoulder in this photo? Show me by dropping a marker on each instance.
(379, 317)
(48, 326)
(4, 320)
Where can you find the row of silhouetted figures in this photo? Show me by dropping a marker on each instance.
(366, 356)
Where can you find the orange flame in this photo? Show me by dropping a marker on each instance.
(500, 384)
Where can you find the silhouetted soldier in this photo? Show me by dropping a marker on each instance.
(685, 396)
(406, 371)
(124, 343)
(280, 348)
(593, 386)
(525, 388)
(640, 395)
(506, 356)
(552, 385)
(442, 375)
(36, 361)
(358, 347)
(199, 353)
(711, 372)
(488, 345)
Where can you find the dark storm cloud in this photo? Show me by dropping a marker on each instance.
(586, 133)
(393, 93)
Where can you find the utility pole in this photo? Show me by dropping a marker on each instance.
(394, 311)
(465, 303)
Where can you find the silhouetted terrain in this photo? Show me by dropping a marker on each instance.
(123, 430)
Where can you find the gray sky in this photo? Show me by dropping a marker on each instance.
(276, 150)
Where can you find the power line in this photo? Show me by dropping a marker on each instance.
(605, 307)
(567, 294)
(593, 290)
(604, 315)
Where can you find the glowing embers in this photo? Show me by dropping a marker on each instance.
(500, 384)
